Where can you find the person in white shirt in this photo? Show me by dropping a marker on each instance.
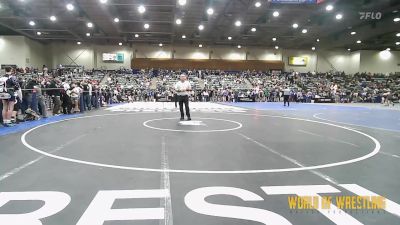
(182, 89)
(65, 86)
(45, 70)
(286, 95)
(75, 95)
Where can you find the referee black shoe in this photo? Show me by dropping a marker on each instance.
(189, 119)
(182, 118)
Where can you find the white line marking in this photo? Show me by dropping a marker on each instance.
(344, 142)
(192, 123)
(381, 152)
(239, 125)
(389, 154)
(391, 207)
(369, 155)
(316, 116)
(323, 176)
(18, 169)
(166, 202)
(329, 138)
(310, 133)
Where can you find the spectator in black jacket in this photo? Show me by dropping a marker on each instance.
(55, 93)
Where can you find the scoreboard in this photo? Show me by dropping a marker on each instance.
(298, 61)
(113, 57)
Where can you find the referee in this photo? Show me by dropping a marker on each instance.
(182, 89)
(286, 96)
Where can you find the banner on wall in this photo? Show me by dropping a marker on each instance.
(298, 61)
(113, 57)
(3, 66)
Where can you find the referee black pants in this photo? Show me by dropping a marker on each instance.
(286, 99)
(175, 98)
(184, 100)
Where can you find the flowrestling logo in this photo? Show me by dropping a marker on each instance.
(370, 15)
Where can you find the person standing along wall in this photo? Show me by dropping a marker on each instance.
(66, 97)
(87, 95)
(55, 93)
(40, 100)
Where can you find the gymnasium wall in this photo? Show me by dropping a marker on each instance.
(189, 52)
(372, 61)
(90, 55)
(87, 55)
(12, 50)
(26, 52)
(71, 54)
(214, 64)
(348, 62)
(38, 53)
(21, 51)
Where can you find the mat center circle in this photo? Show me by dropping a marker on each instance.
(51, 154)
(197, 125)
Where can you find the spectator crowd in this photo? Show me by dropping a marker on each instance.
(32, 94)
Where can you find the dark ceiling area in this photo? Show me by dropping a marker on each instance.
(258, 27)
